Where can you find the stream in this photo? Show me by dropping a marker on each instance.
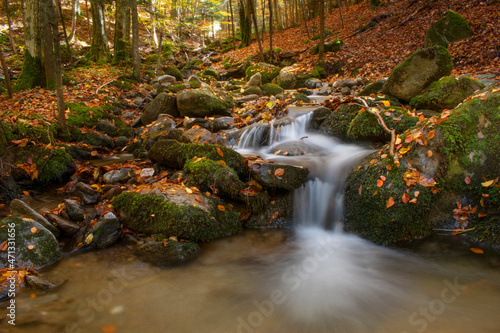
(314, 278)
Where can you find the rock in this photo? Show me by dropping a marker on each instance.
(69, 228)
(174, 154)
(319, 115)
(200, 135)
(20, 208)
(194, 78)
(313, 83)
(207, 173)
(193, 217)
(372, 88)
(107, 127)
(286, 78)
(252, 90)
(345, 83)
(446, 93)
(271, 89)
(254, 81)
(325, 90)
(338, 122)
(167, 252)
(295, 148)
(247, 98)
(178, 177)
(222, 123)
(37, 282)
(278, 175)
(104, 233)
(118, 176)
(173, 71)
(165, 79)
(451, 27)
(121, 141)
(97, 139)
(74, 210)
(164, 123)
(333, 46)
(276, 214)
(112, 192)
(87, 193)
(417, 72)
(34, 244)
(345, 91)
(162, 104)
(267, 71)
(204, 102)
(202, 122)
(238, 71)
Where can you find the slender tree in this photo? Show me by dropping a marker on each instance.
(270, 28)
(6, 74)
(136, 61)
(245, 14)
(74, 16)
(9, 23)
(232, 23)
(122, 31)
(254, 16)
(321, 31)
(99, 49)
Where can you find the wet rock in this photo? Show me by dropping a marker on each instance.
(222, 123)
(446, 93)
(451, 27)
(417, 72)
(200, 135)
(319, 116)
(203, 102)
(162, 104)
(117, 176)
(254, 81)
(278, 175)
(372, 88)
(112, 192)
(97, 139)
(313, 83)
(34, 244)
(174, 154)
(87, 193)
(69, 228)
(193, 217)
(121, 141)
(105, 233)
(74, 210)
(277, 214)
(107, 127)
(167, 252)
(338, 122)
(20, 208)
(295, 148)
(202, 122)
(178, 177)
(37, 282)
(345, 83)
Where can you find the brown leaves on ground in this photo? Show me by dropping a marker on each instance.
(461, 215)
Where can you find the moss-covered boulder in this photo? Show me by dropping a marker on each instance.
(417, 72)
(268, 71)
(252, 90)
(20, 208)
(174, 154)
(451, 27)
(174, 71)
(337, 123)
(33, 245)
(372, 88)
(446, 93)
(333, 46)
(276, 175)
(271, 89)
(193, 217)
(211, 72)
(204, 102)
(162, 104)
(205, 173)
(286, 78)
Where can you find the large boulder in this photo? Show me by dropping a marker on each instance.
(162, 104)
(203, 102)
(445, 177)
(190, 216)
(200, 135)
(274, 175)
(451, 27)
(34, 244)
(418, 71)
(446, 93)
(268, 71)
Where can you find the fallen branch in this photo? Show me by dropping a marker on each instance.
(97, 91)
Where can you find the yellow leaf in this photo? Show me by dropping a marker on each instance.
(188, 190)
(404, 150)
(431, 134)
(489, 182)
(398, 141)
(386, 103)
(221, 162)
(34, 230)
(390, 202)
(430, 153)
(89, 238)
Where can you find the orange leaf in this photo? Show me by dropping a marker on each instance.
(221, 208)
(431, 134)
(30, 247)
(467, 180)
(34, 230)
(409, 138)
(108, 329)
(279, 172)
(389, 167)
(476, 250)
(3, 246)
(219, 152)
(26, 193)
(413, 201)
(390, 202)
(198, 199)
(383, 178)
(405, 198)
(417, 193)
(430, 153)
(482, 214)
(380, 182)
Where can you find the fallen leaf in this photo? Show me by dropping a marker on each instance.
(390, 202)
(405, 198)
(34, 230)
(404, 150)
(431, 134)
(30, 247)
(389, 167)
(413, 201)
(409, 138)
(430, 153)
(380, 182)
(3, 246)
(198, 199)
(467, 180)
(383, 156)
(221, 208)
(26, 193)
(279, 172)
(489, 182)
(482, 214)
(476, 250)
(108, 329)
(219, 152)
(188, 190)
(416, 194)
(386, 103)
(360, 190)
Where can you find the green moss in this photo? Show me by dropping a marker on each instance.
(338, 122)
(271, 89)
(298, 97)
(211, 72)
(450, 27)
(372, 88)
(151, 59)
(80, 115)
(252, 90)
(206, 172)
(124, 85)
(317, 36)
(174, 71)
(32, 74)
(268, 72)
(333, 46)
(177, 87)
(23, 130)
(194, 84)
(154, 215)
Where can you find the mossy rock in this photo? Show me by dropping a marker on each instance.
(162, 104)
(204, 102)
(177, 214)
(38, 249)
(366, 211)
(166, 251)
(271, 89)
(124, 85)
(446, 93)
(333, 46)
(451, 27)
(178, 88)
(373, 88)
(174, 154)
(268, 71)
(275, 175)
(338, 122)
(318, 36)
(174, 71)
(206, 173)
(151, 59)
(299, 97)
(81, 115)
(417, 72)
(211, 72)
(252, 90)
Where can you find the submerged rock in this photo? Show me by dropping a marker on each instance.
(34, 244)
(167, 252)
(295, 148)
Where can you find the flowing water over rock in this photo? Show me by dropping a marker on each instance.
(314, 278)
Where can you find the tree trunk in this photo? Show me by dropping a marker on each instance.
(122, 31)
(270, 28)
(340, 11)
(66, 39)
(277, 15)
(254, 16)
(232, 23)
(99, 48)
(245, 14)
(263, 5)
(136, 60)
(321, 32)
(6, 74)
(305, 19)
(74, 16)
(11, 33)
